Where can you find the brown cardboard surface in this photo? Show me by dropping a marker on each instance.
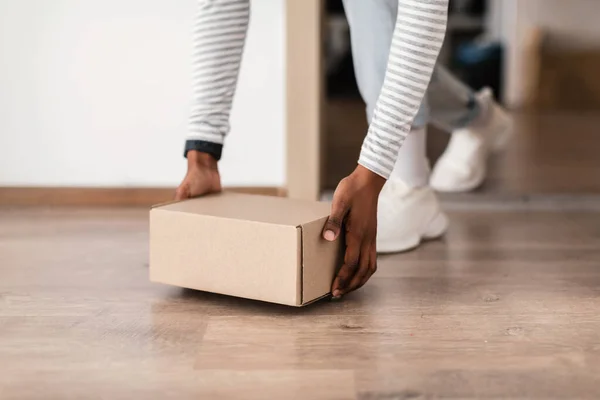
(320, 261)
(256, 247)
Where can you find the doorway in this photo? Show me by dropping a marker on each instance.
(326, 117)
(344, 112)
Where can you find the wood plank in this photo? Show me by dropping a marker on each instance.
(506, 306)
(104, 197)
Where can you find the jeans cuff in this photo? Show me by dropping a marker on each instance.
(214, 149)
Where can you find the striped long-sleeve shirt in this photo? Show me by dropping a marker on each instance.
(219, 37)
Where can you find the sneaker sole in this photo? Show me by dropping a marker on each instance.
(434, 230)
(465, 186)
(501, 139)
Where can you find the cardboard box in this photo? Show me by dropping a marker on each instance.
(256, 247)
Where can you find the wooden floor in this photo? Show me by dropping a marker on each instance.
(507, 306)
(549, 154)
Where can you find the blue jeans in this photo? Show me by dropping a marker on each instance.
(448, 104)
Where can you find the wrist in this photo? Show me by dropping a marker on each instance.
(369, 178)
(203, 146)
(199, 159)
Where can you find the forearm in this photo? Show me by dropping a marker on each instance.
(219, 37)
(418, 37)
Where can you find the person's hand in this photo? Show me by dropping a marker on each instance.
(354, 209)
(202, 176)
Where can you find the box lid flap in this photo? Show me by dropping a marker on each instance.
(266, 209)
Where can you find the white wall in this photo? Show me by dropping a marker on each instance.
(512, 34)
(96, 93)
(494, 19)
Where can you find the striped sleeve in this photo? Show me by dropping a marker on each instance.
(219, 37)
(418, 37)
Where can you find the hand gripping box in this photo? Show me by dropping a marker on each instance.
(256, 247)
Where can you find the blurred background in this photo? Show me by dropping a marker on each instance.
(540, 58)
(96, 93)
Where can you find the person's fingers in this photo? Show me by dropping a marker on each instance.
(348, 270)
(372, 265)
(363, 268)
(182, 192)
(333, 226)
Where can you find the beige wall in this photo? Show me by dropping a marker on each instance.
(573, 24)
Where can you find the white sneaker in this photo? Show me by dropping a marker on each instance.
(406, 216)
(463, 166)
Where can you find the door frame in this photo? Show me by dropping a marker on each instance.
(305, 78)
